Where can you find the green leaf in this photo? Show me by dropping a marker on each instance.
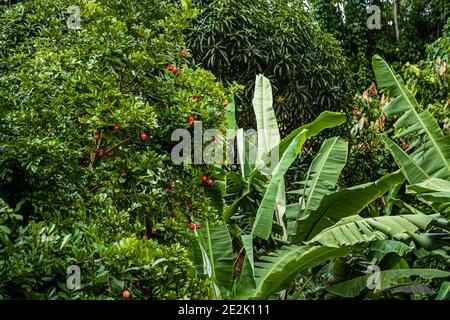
(117, 284)
(213, 256)
(246, 283)
(354, 287)
(4, 229)
(267, 126)
(324, 173)
(264, 216)
(355, 229)
(412, 171)
(268, 136)
(435, 190)
(230, 117)
(444, 292)
(388, 246)
(66, 238)
(274, 272)
(325, 120)
(342, 203)
(433, 151)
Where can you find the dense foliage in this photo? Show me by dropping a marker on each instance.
(332, 236)
(85, 120)
(356, 204)
(237, 40)
(419, 22)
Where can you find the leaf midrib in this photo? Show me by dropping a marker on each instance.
(320, 172)
(402, 89)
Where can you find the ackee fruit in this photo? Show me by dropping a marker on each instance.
(126, 294)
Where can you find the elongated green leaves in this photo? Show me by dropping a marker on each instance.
(324, 172)
(433, 152)
(267, 126)
(274, 272)
(355, 229)
(387, 246)
(325, 120)
(246, 283)
(268, 136)
(412, 171)
(264, 216)
(387, 279)
(213, 255)
(343, 203)
(444, 292)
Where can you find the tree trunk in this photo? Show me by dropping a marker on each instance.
(395, 14)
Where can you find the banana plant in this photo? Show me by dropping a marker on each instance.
(213, 257)
(429, 149)
(384, 280)
(433, 192)
(326, 224)
(274, 272)
(342, 203)
(257, 184)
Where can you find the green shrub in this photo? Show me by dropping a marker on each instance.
(239, 39)
(34, 265)
(419, 21)
(63, 160)
(429, 79)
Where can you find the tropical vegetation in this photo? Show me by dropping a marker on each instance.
(342, 191)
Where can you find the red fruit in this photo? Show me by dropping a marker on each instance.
(101, 152)
(194, 226)
(183, 53)
(355, 112)
(145, 237)
(154, 231)
(174, 70)
(127, 121)
(195, 98)
(97, 136)
(204, 179)
(126, 294)
(170, 67)
(144, 136)
(117, 128)
(210, 182)
(225, 104)
(191, 120)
